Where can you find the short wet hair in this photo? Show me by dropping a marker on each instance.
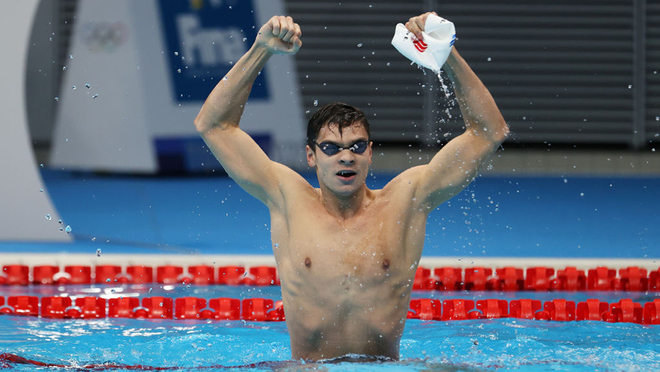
(336, 113)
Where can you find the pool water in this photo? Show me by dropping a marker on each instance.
(502, 344)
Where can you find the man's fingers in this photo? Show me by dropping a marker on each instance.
(413, 27)
(281, 35)
(416, 24)
(290, 29)
(275, 24)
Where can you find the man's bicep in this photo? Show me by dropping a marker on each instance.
(244, 161)
(454, 167)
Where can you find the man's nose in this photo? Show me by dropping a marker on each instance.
(346, 157)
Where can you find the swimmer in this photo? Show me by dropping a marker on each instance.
(346, 255)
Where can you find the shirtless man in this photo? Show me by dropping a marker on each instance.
(346, 255)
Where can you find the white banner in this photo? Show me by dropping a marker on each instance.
(26, 211)
(152, 64)
(101, 113)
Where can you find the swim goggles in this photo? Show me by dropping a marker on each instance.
(330, 148)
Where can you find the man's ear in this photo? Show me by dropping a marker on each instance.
(371, 151)
(311, 157)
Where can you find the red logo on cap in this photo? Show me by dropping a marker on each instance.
(420, 45)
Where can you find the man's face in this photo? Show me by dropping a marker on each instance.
(346, 171)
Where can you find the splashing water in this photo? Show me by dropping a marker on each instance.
(447, 92)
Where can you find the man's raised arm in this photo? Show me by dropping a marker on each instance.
(458, 162)
(217, 121)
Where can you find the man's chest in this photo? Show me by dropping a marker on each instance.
(373, 242)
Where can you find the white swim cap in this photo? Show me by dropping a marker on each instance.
(439, 36)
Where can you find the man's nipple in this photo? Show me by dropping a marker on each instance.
(386, 264)
(308, 262)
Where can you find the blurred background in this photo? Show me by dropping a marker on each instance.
(112, 88)
(578, 78)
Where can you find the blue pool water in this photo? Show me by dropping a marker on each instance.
(563, 217)
(495, 217)
(500, 345)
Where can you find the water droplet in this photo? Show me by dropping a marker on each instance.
(63, 68)
(74, 88)
(316, 103)
(244, 39)
(489, 59)
(88, 85)
(176, 53)
(59, 221)
(48, 217)
(98, 253)
(41, 190)
(41, 165)
(68, 229)
(657, 118)
(359, 45)
(57, 99)
(94, 96)
(629, 86)
(178, 70)
(70, 56)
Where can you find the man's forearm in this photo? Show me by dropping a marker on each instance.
(225, 105)
(478, 107)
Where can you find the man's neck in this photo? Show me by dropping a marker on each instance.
(345, 207)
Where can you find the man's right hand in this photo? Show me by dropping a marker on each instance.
(280, 35)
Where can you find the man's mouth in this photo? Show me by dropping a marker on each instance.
(346, 174)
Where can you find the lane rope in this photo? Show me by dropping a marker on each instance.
(263, 309)
(509, 278)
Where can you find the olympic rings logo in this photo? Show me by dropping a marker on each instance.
(105, 36)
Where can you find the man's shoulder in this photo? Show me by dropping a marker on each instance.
(407, 179)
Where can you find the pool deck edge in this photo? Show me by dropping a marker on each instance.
(65, 259)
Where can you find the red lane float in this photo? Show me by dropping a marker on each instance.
(226, 308)
(122, 307)
(425, 309)
(570, 279)
(202, 275)
(476, 278)
(106, 274)
(15, 275)
(231, 275)
(627, 311)
(77, 275)
(652, 312)
(525, 309)
(560, 310)
(44, 274)
(449, 278)
(456, 309)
